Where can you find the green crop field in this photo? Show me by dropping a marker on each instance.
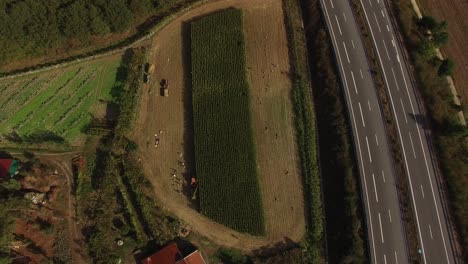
(60, 102)
(224, 145)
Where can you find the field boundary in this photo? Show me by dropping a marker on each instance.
(306, 132)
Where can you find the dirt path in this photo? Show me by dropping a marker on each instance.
(64, 167)
(169, 118)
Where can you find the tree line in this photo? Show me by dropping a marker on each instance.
(33, 28)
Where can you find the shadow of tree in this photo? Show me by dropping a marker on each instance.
(40, 136)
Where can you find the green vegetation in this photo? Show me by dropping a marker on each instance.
(224, 145)
(306, 131)
(111, 170)
(447, 67)
(55, 106)
(450, 136)
(345, 239)
(34, 28)
(433, 35)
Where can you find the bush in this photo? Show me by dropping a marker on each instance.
(232, 256)
(447, 67)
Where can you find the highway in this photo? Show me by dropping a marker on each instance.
(386, 236)
(434, 238)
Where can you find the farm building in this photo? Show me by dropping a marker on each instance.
(8, 168)
(172, 255)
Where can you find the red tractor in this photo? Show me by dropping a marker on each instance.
(194, 187)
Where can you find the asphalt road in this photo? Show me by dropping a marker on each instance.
(435, 241)
(387, 241)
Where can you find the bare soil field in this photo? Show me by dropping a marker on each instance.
(169, 119)
(454, 12)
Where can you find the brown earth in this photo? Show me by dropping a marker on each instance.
(57, 182)
(169, 119)
(454, 12)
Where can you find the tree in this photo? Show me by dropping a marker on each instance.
(427, 48)
(447, 67)
(440, 38)
(428, 23)
(97, 25)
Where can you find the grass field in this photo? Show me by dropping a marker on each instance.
(59, 102)
(224, 145)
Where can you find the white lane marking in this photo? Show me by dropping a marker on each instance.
(360, 71)
(389, 215)
(346, 50)
(344, 16)
(362, 116)
(370, 3)
(422, 191)
(368, 103)
(376, 21)
(401, 140)
(352, 43)
(378, 1)
(383, 15)
(338, 23)
(388, 28)
(404, 111)
(385, 258)
(430, 231)
(376, 140)
(412, 145)
(393, 43)
(396, 258)
(357, 136)
(396, 82)
(398, 58)
(383, 176)
(385, 46)
(331, 2)
(375, 188)
(354, 82)
(427, 169)
(381, 230)
(368, 150)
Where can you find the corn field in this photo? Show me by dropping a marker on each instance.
(224, 146)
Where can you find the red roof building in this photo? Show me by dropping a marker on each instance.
(171, 255)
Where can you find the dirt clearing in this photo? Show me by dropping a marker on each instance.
(168, 120)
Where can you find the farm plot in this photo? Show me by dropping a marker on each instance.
(223, 134)
(60, 102)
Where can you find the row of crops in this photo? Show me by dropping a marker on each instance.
(59, 102)
(224, 145)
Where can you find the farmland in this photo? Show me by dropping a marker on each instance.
(270, 90)
(59, 102)
(223, 134)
